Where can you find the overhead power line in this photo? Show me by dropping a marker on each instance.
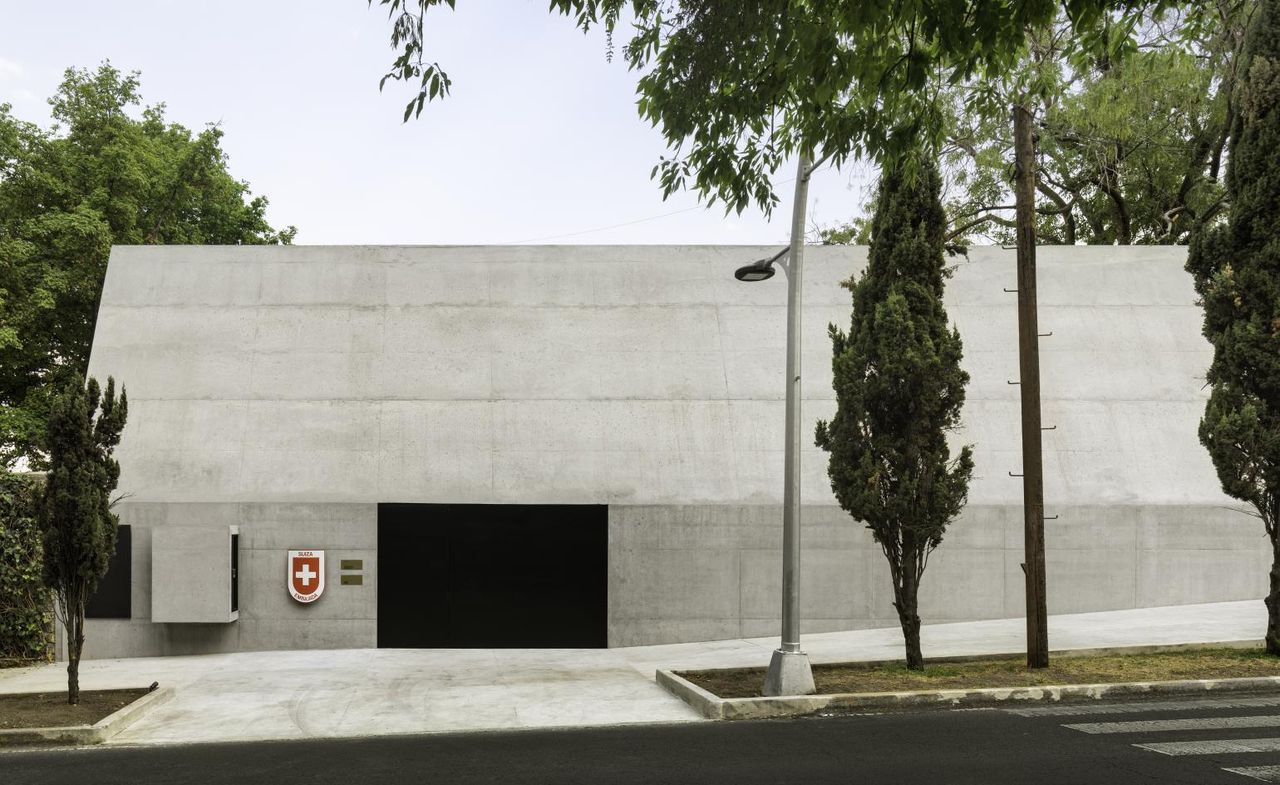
(605, 228)
(630, 223)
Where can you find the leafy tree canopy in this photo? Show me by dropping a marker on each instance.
(102, 174)
(1131, 147)
(737, 87)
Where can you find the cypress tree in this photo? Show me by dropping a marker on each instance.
(75, 513)
(899, 389)
(1236, 267)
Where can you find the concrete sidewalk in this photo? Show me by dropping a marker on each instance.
(317, 693)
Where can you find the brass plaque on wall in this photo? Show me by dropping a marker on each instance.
(352, 564)
(352, 580)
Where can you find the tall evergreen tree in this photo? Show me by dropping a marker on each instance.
(899, 389)
(1236, 266)
(79, 527)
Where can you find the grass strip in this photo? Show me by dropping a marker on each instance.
(855, 677)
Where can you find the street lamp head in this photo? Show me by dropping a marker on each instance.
(757, 271)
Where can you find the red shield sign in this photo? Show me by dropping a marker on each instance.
(306, 575)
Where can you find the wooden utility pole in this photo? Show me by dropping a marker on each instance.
(1029, 365)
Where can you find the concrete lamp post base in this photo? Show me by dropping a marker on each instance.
(789, 674)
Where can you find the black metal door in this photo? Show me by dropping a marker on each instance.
(492, 576)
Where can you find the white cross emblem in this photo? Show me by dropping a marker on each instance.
(306, 574)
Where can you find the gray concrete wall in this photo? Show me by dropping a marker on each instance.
(344, 617)
(627, 375)
(647, 378)
(683, 573)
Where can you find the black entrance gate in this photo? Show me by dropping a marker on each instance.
(492, 576)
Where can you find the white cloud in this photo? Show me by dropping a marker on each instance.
(9, 69)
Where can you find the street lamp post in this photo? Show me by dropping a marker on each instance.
(789, 670)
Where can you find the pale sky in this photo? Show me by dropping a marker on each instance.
(540, 140)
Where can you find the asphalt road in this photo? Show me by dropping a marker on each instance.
(1033, 744)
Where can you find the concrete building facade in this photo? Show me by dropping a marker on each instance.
(284, 393)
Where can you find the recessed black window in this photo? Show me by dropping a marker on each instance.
(235, 572)
(111, 600)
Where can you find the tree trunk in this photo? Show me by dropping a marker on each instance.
(73, 680)
(1273, 599)
(909, 617)
(75, 644)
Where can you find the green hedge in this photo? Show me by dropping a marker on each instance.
(26, 610)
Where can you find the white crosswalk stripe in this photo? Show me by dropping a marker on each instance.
(1263, 748)
(1196, 723)
(1214, 747)
(1260, 773)
(1137, 707)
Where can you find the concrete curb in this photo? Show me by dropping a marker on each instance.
(97, 733)
(716, 708)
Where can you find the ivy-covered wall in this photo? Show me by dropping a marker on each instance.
(26, 611)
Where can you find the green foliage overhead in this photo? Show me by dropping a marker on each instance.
(855, 232)
(79, 528)
(737, 87)
(899, 390)
(1130, 149)
(103, 174)
(26, 614)
(1236, 267)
